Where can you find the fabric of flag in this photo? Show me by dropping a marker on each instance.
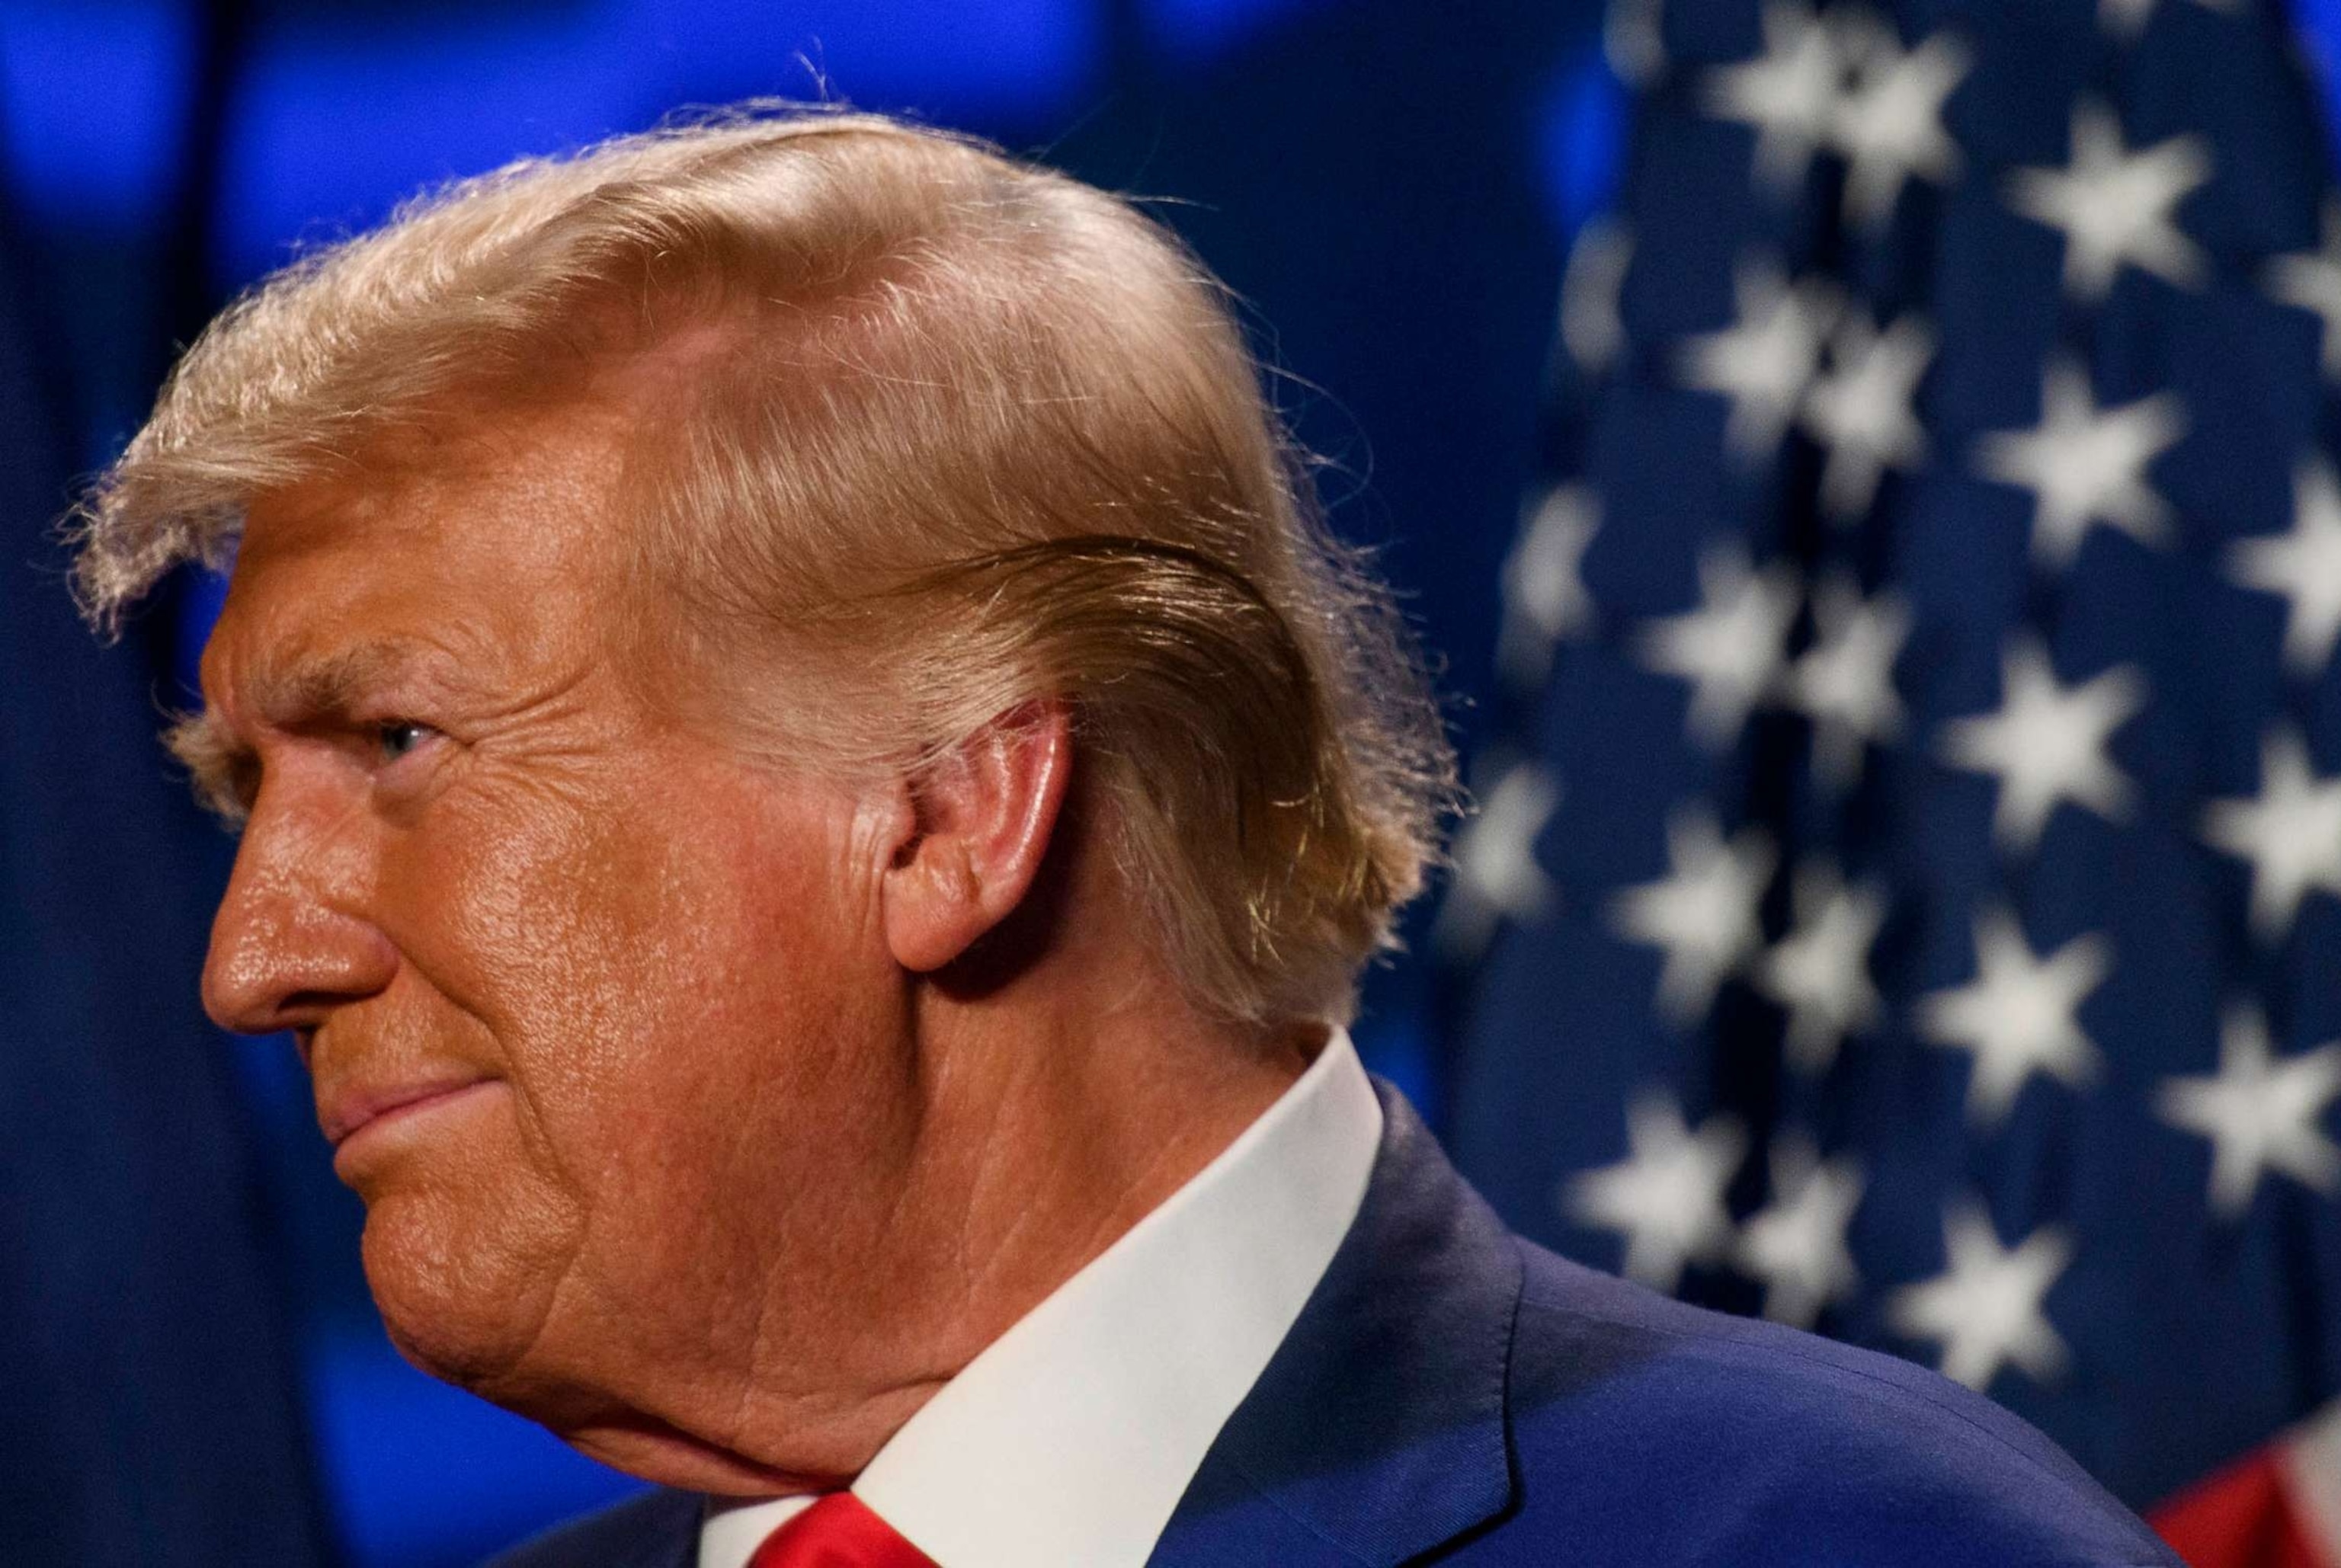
(149, 1412)
(2277, 1508)
(1909, 903)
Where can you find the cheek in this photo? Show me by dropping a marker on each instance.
(763, 1094)
(689, 995)
(597, 935)
(679, 983)
(755, 1000)
(718, 954)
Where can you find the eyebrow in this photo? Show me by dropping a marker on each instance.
(225, 770)
(331, 683)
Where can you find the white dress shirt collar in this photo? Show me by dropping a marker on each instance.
(1072, 1436)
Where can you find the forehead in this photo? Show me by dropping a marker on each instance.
(503, 542)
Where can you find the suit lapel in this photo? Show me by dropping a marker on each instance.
(677, 1544)
(657, 1529)
(1377, 1432)
(661, 1530)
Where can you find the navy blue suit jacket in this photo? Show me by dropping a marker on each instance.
(1454, 1394)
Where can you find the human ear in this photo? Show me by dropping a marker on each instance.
(982, 816)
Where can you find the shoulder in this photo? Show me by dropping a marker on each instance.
(1638, 1418)
(658, 1529)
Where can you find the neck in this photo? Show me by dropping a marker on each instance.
(1038, 1123)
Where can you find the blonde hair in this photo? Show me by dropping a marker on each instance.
(989, 432)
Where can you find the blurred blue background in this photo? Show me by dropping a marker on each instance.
(1390, 183)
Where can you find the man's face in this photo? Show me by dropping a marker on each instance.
(599, 1014)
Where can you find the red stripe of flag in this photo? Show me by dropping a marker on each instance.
(2265, 1511)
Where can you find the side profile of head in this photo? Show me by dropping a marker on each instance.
(802, 755)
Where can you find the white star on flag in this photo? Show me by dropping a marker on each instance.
(1731, 648)
(2084, 464)
(2017, 1016)
(1845, 682)
(1633, 42)
(1765, 360)
(1496, 870)
(2047, 743)
(2127, 18)
(2312, 281)
(1788, 94)
(1821, 971)
(2303, 566)
(2114, 205)
(2260, 1113)
(1890, 124)
(1796, 1244)
(1986, 1307)
(1703, 913)
(1666, 1197)
(1864, 410)
(1544, 596)
(1592, 320)
(2290, 832)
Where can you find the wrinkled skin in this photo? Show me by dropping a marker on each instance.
(721, 1169)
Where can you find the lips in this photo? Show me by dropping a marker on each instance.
(353, 1110)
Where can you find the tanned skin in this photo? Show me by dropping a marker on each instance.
(710, 1110)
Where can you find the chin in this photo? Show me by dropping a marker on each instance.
(466, 1283)
(485, 1315)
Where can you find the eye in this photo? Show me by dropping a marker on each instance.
(397, 736)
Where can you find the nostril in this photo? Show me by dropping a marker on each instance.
(271, 993)
(302, 1011)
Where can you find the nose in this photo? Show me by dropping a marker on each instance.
(291, 942)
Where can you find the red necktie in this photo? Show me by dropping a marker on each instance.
(838, 1532)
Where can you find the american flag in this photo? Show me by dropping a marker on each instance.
(1906, 902)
